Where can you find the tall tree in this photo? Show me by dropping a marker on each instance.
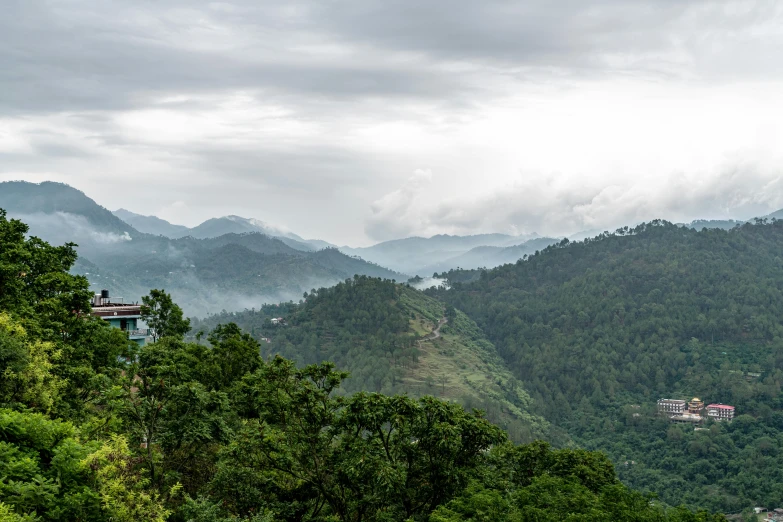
(163, 315)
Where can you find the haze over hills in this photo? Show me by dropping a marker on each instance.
(58, 211)
(415, 255)
(151, 224)
(215, 227)
(490, 256)
(419, 255)
(231, 271)
(248, 265)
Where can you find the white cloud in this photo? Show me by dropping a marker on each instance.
(579, 112)
(405, 211)
(545, 205)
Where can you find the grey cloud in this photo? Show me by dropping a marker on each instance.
(74, 67)
(580, 37)
(55, 59)
(78, 55)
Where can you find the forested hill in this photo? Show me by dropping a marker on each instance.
(96, 428)
(599, 330)
(382, 333)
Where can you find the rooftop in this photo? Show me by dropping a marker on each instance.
(721, 406)
(120, 310)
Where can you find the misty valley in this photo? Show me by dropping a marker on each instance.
(225, 372)
(409, 261)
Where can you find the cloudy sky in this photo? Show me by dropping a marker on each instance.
(357, 121)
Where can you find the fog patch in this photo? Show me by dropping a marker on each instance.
(54, 227)
(428, 282)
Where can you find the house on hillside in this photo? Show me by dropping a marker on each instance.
(119, 314)
(671, 406)
(720, 412)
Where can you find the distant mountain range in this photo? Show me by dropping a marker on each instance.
(234, 262)
(205, 274)
(423, 256)
(216, 227)
(151, 224)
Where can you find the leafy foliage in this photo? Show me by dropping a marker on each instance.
(121, 487)
(41, 469)
(27, 378)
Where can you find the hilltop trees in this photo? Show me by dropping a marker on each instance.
(365, 457)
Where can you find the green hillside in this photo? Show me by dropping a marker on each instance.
(382, 333)
(599, 330)
(96, 428)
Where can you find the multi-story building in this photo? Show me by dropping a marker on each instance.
(671, 406)
(119, 314)
(720, 412)
(695, 406)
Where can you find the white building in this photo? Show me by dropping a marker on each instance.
(671, 406)
(720, 412)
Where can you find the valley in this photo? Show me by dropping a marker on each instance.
(410, 261)
(571, 342)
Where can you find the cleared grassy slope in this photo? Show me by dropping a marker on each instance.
(463, 366)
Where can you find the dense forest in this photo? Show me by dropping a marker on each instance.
(95, 428)
(599, 330)
(382, 333)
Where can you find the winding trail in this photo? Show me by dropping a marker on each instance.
(435, 333)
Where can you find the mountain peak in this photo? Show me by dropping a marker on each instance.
(35, 201)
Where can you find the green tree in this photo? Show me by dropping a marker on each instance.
(163, 315)
(41, 470)
(122, 487)
(26, 365)
(367, 457)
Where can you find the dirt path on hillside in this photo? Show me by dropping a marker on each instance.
(435, 333)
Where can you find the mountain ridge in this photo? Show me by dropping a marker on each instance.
(232, 270)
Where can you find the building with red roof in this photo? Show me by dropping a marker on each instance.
(720, 412)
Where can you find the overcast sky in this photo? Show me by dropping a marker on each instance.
(364, 120)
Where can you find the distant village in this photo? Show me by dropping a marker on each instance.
(694, 411)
